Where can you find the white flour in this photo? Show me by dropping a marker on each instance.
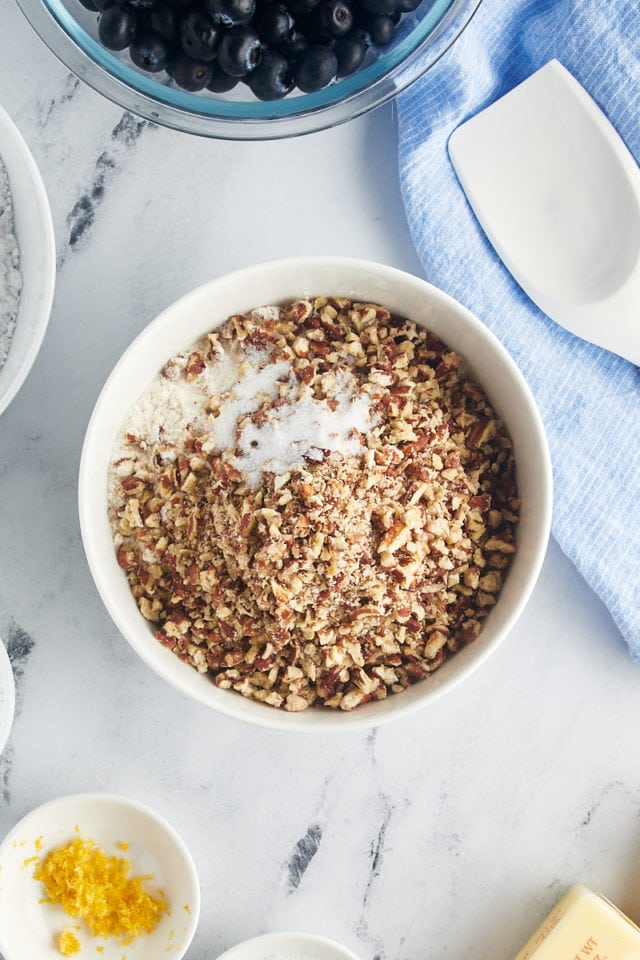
(10, 276)
(296, 426)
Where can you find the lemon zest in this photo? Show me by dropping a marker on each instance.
(92, 886)
(68, 943)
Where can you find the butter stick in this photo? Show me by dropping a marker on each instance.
(584, 926)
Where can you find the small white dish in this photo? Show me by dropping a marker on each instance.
(34, 233)
(557, 193)
(29, 928)
(288, 946)
(7, 696)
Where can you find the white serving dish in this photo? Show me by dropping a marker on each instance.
(7, 696)
(29, 927)
(284, 280)
(34, 233)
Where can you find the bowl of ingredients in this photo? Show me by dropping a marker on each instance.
(96, 872)
(7, 696)
(288, 946)
(249, 69)
(27, 260)
(315, 493)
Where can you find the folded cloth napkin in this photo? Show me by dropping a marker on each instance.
(589, 398)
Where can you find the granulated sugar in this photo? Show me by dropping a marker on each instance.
(10, 276)
(303, 428)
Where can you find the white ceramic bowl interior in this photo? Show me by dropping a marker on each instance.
(278, 282)
(7, 696)
(288, 946)
(29, 928)
(34, 233)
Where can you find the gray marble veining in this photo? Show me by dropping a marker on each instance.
(448, 834)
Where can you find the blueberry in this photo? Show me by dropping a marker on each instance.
(102, 5)
(239, 51)
(220, 81)
(378, 27)
(272, 79)
(350, 52)
(162, 19)
(332, 18)
(293, 46)
(191, 75)
(150, 51)
(273, 22)
(90, 5)
(117, 27)
(230, 13)
(408, 6)
(315, 69)
(141, 4)
(385, 7)
(199, 36)
(300, 8)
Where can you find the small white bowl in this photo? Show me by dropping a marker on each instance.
(288, 946)
(7, 696)
(277, 282)
(34, 233)
(29, 928)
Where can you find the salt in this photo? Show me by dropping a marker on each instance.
(10, 276)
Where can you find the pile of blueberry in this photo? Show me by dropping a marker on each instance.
(271, 45)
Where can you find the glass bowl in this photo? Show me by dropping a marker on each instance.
(420, 39)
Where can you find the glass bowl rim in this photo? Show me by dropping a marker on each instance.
(205, 116)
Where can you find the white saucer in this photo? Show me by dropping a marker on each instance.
(7, 697)
(30, 927)
(288, 946)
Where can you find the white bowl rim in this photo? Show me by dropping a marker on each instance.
(7, 696)
(255, 947)
(25, 159)
(370, 714)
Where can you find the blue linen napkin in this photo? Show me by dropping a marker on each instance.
(589, 398)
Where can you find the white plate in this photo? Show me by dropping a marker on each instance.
(34, 232)
(288, 946)
(7, 697)
(29, 928)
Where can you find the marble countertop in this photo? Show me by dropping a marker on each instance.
(446, 834)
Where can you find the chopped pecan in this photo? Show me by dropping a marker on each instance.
(348, 578)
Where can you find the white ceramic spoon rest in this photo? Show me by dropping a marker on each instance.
(557, 193)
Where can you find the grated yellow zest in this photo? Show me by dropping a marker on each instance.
(68, 943)
(96, 888)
